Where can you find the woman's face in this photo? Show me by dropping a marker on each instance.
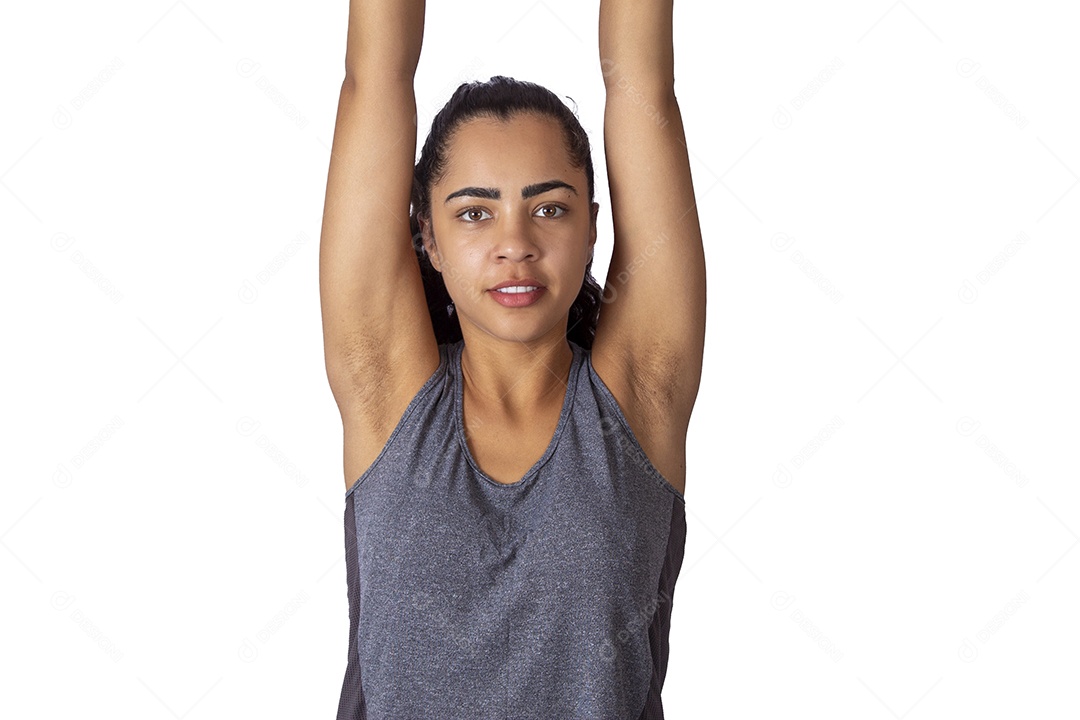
(509, 207)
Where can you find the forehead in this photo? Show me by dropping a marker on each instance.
(525, 146)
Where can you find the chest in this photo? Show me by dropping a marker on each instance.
(505, 451)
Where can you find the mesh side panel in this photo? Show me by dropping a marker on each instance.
(351, 703)
(661, 622)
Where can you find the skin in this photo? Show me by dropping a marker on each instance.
(478, 242)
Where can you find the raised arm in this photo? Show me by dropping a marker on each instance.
(377, 333)
(651, 332)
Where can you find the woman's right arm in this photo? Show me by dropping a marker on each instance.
(377, 333)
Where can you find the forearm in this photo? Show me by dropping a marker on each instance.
(636, 44)
(384, 38)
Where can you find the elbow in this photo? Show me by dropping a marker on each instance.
(656, 87)
(381, 76)
(643, 91)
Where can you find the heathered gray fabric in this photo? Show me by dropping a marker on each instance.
(547, 598)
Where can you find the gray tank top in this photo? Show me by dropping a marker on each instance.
(546, 598)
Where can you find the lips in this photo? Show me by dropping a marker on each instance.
(517, 298)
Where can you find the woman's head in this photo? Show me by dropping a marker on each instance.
(519, 140)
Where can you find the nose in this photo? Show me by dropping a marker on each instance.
(517, 242)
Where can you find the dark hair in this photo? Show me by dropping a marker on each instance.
(500, 97)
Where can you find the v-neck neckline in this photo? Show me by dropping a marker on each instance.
(564, 414)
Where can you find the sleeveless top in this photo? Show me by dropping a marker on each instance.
(547, 598)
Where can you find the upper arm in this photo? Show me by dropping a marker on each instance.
(378, 339)
(651, 331)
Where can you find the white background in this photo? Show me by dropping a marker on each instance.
(881, 491)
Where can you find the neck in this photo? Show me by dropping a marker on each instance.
(515, 376)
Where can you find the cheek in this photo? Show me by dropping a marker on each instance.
(463, 268)
(571, 268)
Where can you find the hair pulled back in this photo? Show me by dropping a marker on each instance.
(500, 97)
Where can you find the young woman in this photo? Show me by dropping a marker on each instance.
(514, 438)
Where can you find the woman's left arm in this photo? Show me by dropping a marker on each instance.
(652, 325)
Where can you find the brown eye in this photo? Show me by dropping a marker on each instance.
(468, 215)
(557, 211)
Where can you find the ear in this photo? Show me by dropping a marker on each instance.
(428, 238)
(592, 229)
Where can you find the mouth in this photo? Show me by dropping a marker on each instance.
(516, 296)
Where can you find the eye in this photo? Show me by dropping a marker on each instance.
(467, 214)
(560, 211)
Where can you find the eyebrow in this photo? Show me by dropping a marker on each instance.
(526, 192)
